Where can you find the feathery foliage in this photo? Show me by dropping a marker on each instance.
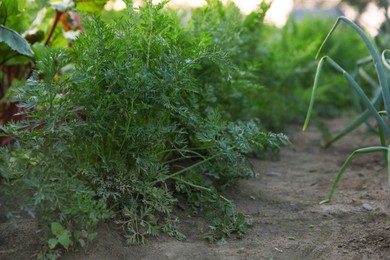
(129, 129)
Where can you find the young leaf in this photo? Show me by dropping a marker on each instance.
(56, 228)
(15, 41)
(91, 236)
(64, 239)
(81, 242)
(52, 243)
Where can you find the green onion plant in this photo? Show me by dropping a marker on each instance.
(372, 106)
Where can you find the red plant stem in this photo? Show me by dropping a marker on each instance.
(58, 15)
(9, 77)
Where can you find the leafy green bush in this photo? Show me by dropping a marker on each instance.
(236, 93)
(126, 128)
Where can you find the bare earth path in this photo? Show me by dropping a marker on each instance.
(283, 203)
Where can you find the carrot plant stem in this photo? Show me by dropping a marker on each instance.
(188, 168)
(199, 187)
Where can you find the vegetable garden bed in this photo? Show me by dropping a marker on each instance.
(283, 204)
(142, 127)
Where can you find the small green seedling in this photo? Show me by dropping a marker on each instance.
(62, 236)
(382, 117)
(65, 238)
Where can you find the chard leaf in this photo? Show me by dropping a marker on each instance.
(15, 41)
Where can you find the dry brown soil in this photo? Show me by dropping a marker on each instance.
(283, 203)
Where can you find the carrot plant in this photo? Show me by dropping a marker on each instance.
(382, 117)
(128, 131)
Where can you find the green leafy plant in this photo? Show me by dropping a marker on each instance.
(36, 172)
(381, 117)
(25, 26)
(121, 125)
(62, 236)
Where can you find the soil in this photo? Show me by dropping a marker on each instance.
(283, 202)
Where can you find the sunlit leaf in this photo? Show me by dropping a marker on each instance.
(91, 6)
(62, 6)
(15, 41)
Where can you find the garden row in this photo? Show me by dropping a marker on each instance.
(147, 108)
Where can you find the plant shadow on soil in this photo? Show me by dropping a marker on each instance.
(283, 202)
